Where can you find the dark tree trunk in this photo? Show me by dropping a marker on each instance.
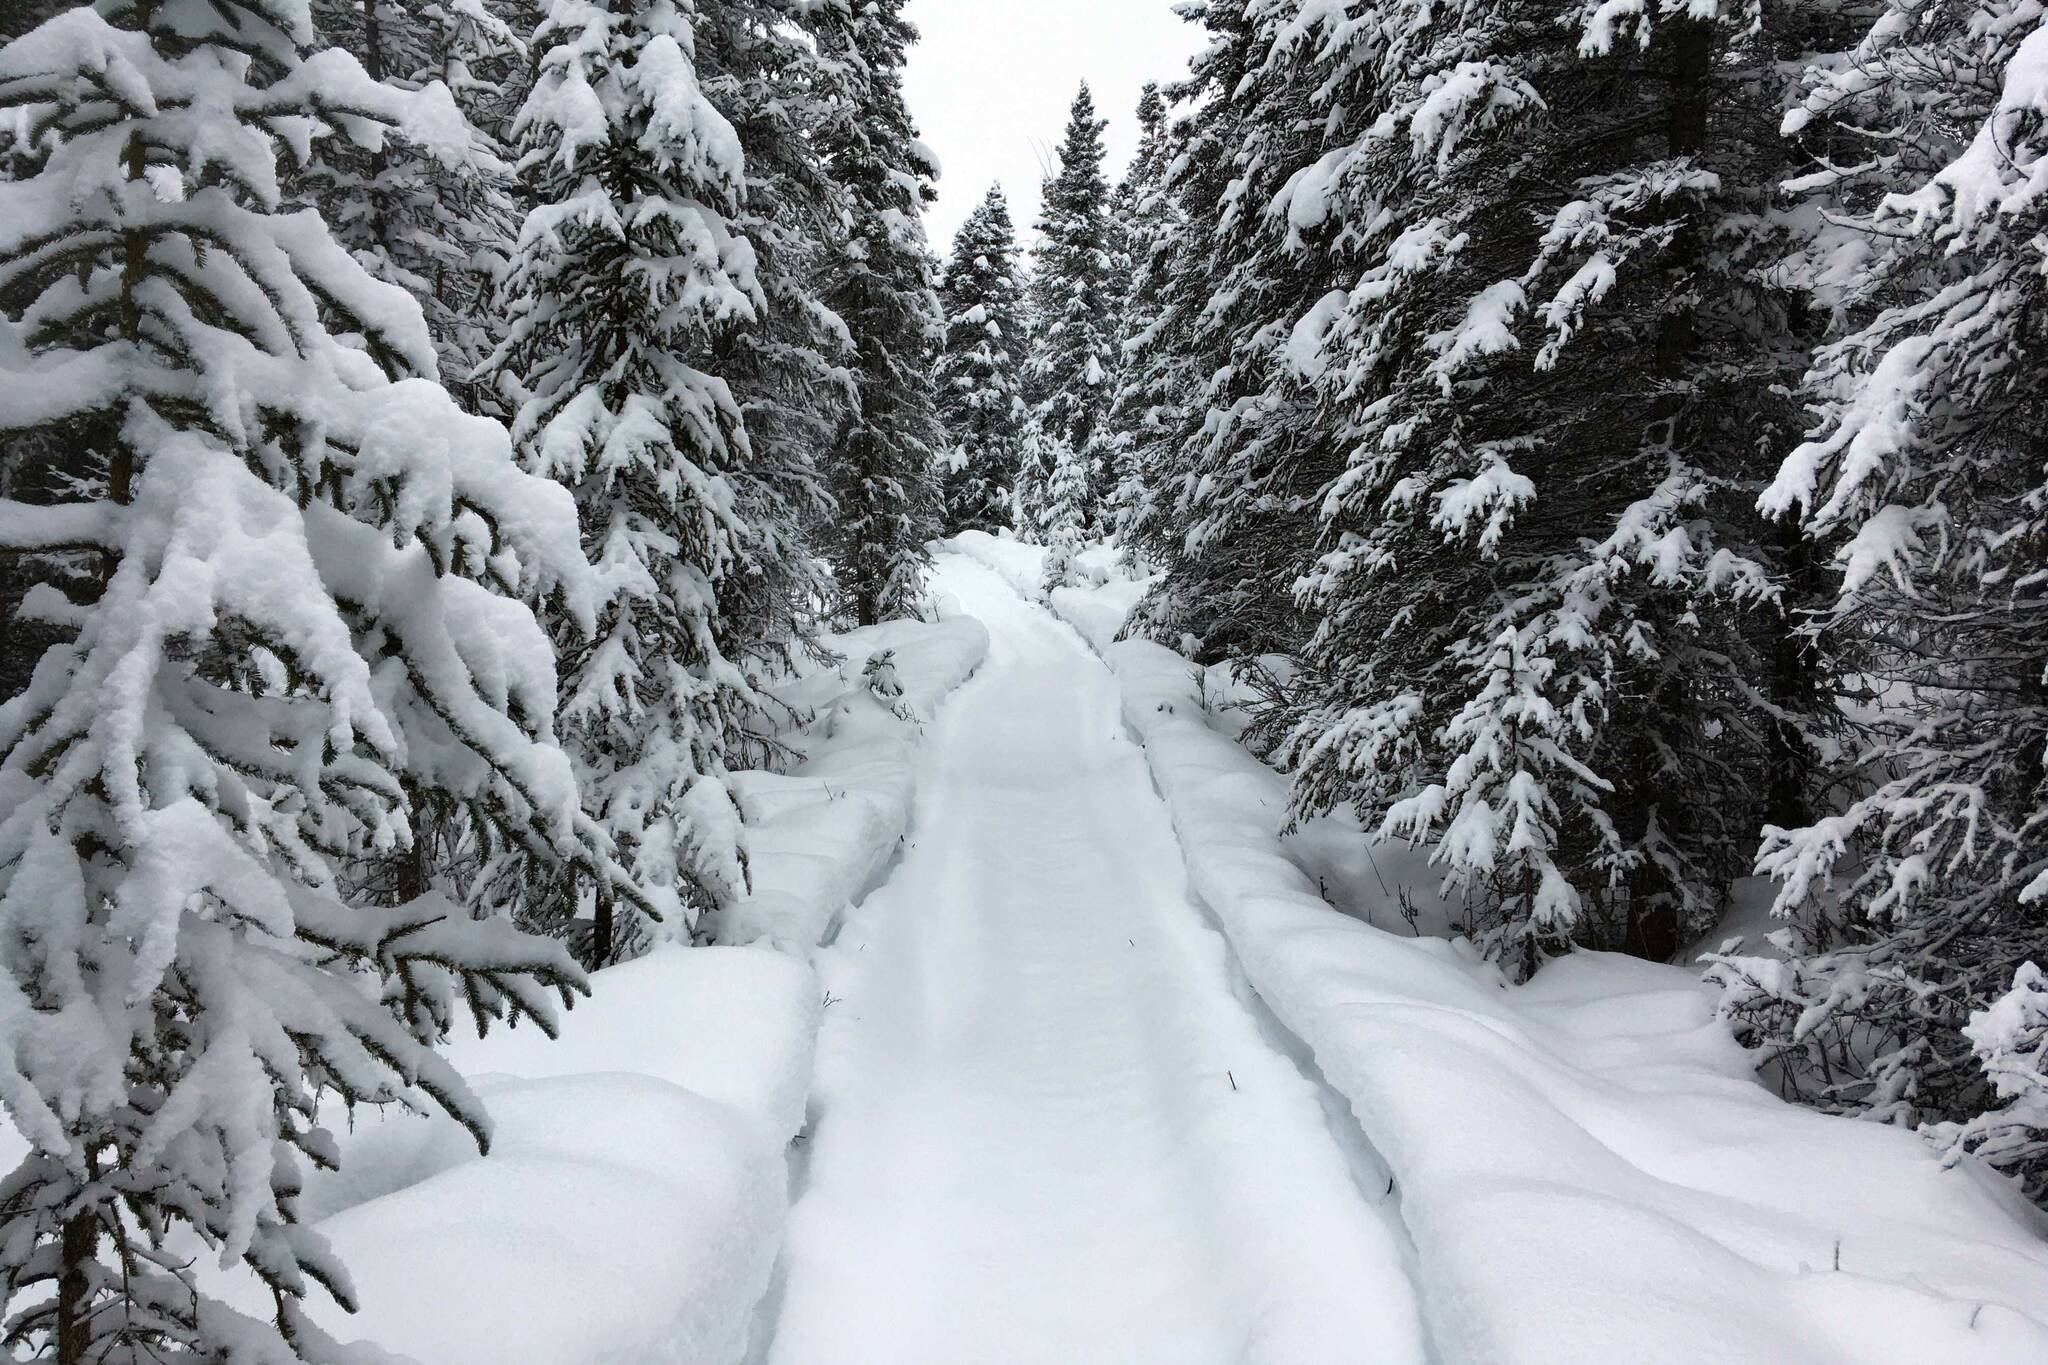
(601, 934)
(1795, 666)
(80, 1249)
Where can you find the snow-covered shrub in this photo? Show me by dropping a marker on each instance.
(2010, 1041)
(1064, 513)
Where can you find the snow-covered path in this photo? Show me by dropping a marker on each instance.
(1050, 1128)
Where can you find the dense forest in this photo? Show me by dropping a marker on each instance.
(1606, 439)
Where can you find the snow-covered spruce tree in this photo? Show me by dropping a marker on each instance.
(1150, 386)
(1065, 502)
(1234, 471)
(434, 217)
(788, 369)
(627, 280)
(1916, 906)
(885, 461)
(33, 464)
(1073, 344)
(435, 220)
(981, 397)
(1542, 600)
(307, 607)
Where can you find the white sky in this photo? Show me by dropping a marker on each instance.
(990, 82)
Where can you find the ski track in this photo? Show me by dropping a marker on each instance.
(1046, 1128)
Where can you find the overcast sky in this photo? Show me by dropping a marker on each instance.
(991, 80)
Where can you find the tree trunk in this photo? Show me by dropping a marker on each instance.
(414, 880)
(80, 1249)
(1794, 688)
(373, 67)
(601, 933)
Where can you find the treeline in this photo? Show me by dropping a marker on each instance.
(1612, 438)
(427, 432)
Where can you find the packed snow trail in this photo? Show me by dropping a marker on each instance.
(1049, 1129)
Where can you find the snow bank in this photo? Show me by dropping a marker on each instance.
(818, 835)
(1588, 1171)
(1019, 564)
(635, 1194)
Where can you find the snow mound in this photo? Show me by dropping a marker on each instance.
(818, 835)
(1016, 562)
(635, 1194)
(1586, 1167)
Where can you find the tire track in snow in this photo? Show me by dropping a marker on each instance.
(1049, 1128)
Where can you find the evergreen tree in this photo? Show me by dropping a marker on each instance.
(1073, 351)
(1535, 616)
(627, 279)
(1151, 388)
(1066, 510)
(1914, 992)
(885, 458)
(1233, 468)
(981, 399)
(435, 218)
(787, 369)
(308, 608)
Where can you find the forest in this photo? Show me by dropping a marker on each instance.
(468, 467)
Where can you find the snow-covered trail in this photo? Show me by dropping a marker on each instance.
(1049, 1128)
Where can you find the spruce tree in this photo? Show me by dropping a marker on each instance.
(627, 281)
(1151, 388)
(437, 219)
(308, 612)
(981, 398)
(1913, 908)
(1240, 449)
(1073, 351)
(884, 460)
(1552, 358)
(1066, 501)
(788, 368)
